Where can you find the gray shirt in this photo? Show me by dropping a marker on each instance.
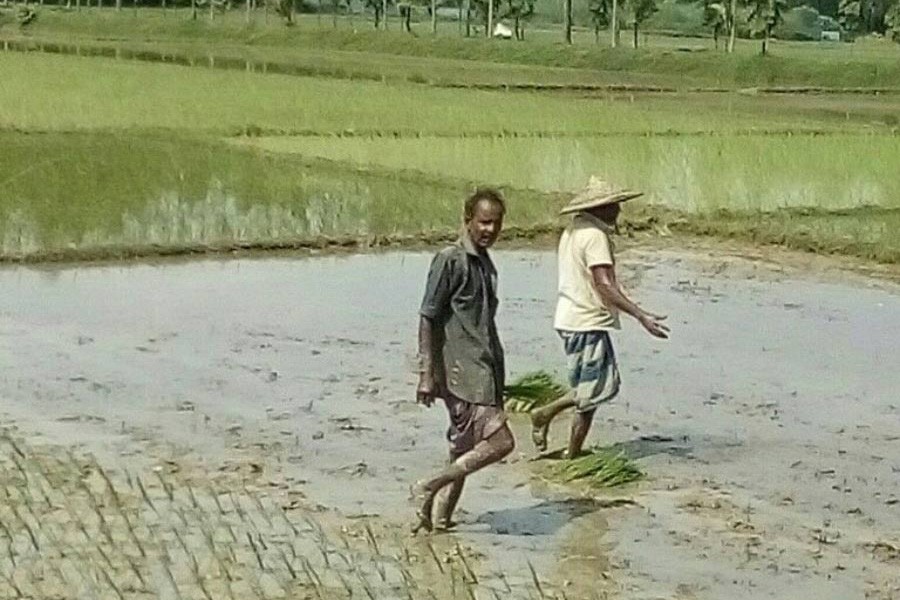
(461, 299)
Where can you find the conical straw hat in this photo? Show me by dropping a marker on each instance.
(598, 193)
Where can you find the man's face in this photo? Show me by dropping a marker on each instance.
(485, 225)
(608, 213)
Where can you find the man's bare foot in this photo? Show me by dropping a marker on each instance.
(419, 493)
(445, 525)
(539, 431)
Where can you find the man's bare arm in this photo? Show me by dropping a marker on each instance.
(604, 279)
(431, 361)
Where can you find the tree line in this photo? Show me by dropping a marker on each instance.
(723, 18)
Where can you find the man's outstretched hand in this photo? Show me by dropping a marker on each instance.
(654, 325)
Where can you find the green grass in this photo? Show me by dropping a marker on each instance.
(83, 195)
(868, 233)
(842, 65)
(83, 192)
(690, 174)
(132, 155)
(60, 93)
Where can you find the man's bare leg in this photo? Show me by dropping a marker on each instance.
(485, 453)
(581, 425)
(542, 417)
(447, 500)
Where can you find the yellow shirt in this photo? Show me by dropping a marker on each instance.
(584, 244)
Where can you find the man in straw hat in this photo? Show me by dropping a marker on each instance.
(588, 306)
(461, 358)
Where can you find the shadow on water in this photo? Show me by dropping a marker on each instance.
(652, 445)
(547, 517)
(544, 518)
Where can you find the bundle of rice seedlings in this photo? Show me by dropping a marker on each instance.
(531, 391)
(599, 468)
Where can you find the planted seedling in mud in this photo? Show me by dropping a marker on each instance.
(531, 391)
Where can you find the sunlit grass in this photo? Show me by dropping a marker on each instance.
(692, 174)
(44, 92)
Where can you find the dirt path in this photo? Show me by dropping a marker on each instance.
(768, 428)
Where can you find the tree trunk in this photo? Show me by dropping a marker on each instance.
(732, 26)
(433, 17)
(118, 5)
(716, 36)
(193, 8)
(614, 25)
(334, 8)
(765, 42)
(468, 18)
(384, 4)
(459, 18)
(212, 15)
(635, 33)
(490, 19)
(596, 33)
(248, 12)
(568, 21)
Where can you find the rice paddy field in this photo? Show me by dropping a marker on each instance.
(244, 428)
(126, 134)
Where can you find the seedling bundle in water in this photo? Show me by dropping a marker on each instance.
(531, 391)
(598, 468)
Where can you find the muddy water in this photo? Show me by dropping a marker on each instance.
(767, 425)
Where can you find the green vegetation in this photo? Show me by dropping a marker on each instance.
(862, 64)
(108, 157)
(691, 174)
(532, 390)
(56, 93)
(97, 194)
(599, 467)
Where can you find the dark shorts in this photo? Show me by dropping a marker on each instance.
(471, 423)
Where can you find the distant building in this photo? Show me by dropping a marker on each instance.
(503, 32)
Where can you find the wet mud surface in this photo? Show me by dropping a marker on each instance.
(767, 426)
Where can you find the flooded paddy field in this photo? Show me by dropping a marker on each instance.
(248, 401)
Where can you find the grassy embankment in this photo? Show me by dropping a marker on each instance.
(148, 166)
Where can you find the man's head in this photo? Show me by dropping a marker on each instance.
(608, 213)
(483, 217)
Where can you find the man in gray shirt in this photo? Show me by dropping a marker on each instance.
(461, 358)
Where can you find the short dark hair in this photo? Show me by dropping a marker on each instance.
(483, 194)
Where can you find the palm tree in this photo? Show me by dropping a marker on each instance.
(715, 15)
(766, 14)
